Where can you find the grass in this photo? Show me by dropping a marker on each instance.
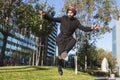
(40, 73)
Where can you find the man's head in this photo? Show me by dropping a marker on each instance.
(71, 11)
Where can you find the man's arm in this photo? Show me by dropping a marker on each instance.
(46, 16)
(87, 29)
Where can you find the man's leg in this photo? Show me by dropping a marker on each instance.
(61, 48)
(67, 48)
(60, 71)
(64, 49)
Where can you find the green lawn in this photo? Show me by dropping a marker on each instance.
(40, 73)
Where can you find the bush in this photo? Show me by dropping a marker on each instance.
(98, 73)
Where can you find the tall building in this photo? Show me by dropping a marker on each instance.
(51, 47)
(116, 42)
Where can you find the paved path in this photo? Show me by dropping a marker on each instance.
(101, 78)
(118, 78)
(107, 78)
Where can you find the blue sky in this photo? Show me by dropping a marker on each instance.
(105, 42)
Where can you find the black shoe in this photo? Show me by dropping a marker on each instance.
(60, 71)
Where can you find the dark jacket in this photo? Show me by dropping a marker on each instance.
(68, 26)
(65, 40)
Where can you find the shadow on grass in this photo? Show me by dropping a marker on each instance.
(22, 69)
(14, 68)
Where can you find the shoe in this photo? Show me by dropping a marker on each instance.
(60, 71)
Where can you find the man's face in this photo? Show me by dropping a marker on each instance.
(70, 14)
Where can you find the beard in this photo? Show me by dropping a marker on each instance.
(69, 16)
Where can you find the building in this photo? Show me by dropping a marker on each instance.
(116, 42)
(19, 48)
(51, 48)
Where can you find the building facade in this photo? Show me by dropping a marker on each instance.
(21, 48)
(51, 47)
(116, 42)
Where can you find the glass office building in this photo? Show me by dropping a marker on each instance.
(116, 42)
(19, 48)
(51, 48)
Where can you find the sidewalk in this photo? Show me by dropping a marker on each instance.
(101, 78)
(118, 78)
(107, 78)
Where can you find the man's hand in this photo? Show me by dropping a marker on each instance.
(42, 13)
(96, 26)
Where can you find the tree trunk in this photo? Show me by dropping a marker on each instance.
(33, 58)
(3, 49)
(86, 48)
(38, 51)
(42, 51)
(76, 65)
(38, 56)
(42, 57)
(85, 63)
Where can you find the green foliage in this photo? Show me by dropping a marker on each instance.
(101, 53)
(28, 17)
(98, 73)
(111, 60)
(7, 12)
(7, 21)
(90, 52)
(95, 57)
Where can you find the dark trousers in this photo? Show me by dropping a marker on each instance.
(65, 43)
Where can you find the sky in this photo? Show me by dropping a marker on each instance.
(105, 42)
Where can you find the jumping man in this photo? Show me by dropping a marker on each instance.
(65, 40)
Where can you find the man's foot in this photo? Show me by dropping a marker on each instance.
(60, 71)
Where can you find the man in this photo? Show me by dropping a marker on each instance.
(64, 40)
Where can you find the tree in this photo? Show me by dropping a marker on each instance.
(46, 28)
(7, 12)
(111, 61)
(29, 18)
(90, 51)
(101, 53)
